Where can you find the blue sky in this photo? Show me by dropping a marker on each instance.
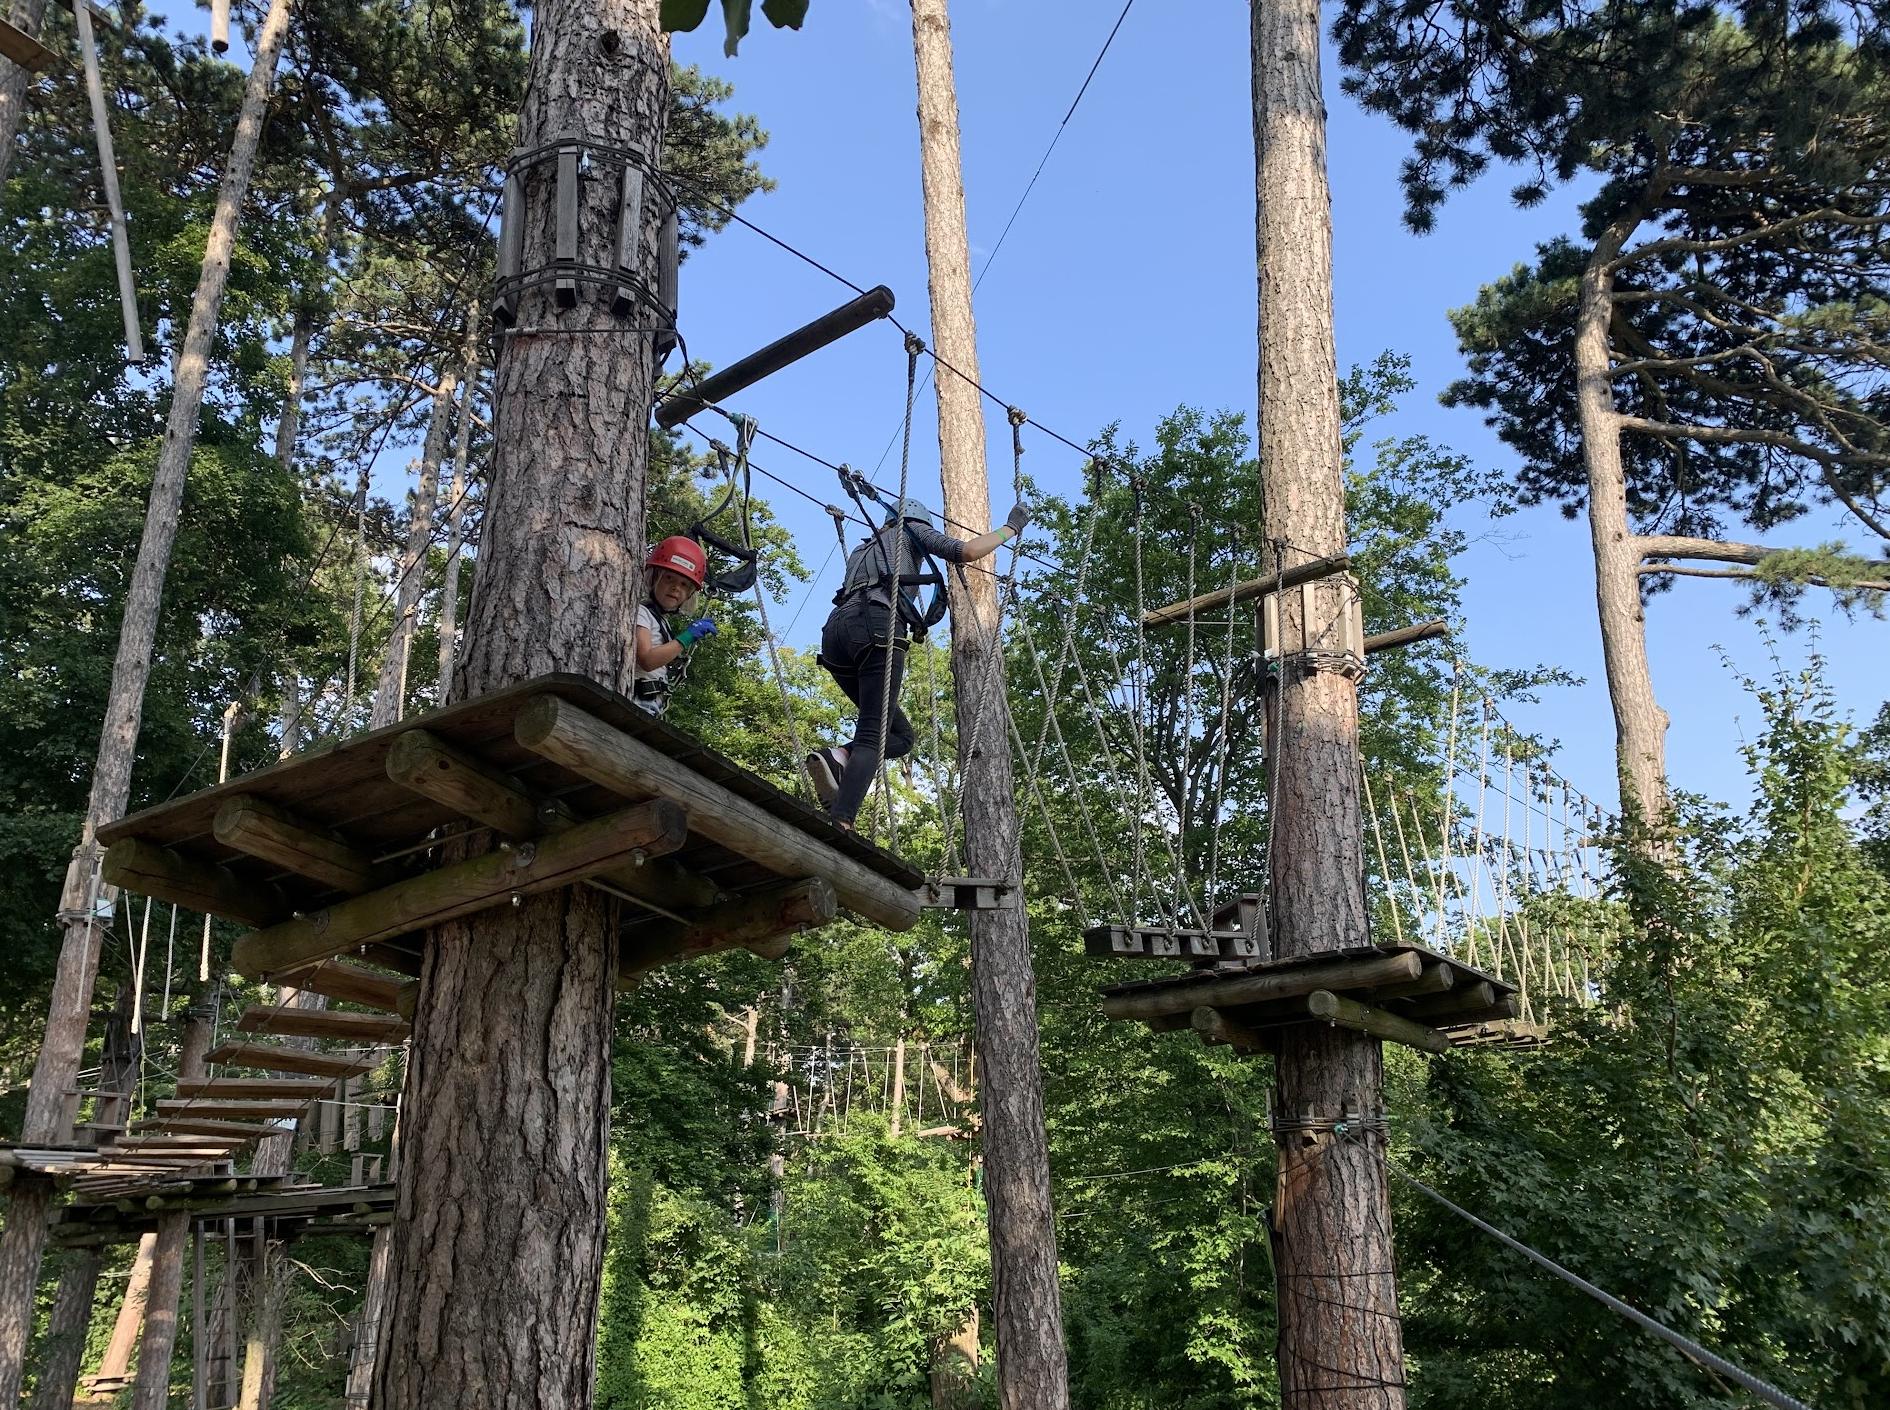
(1127, 287)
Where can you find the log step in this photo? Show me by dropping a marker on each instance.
(266, 1088)
(323, 1023)
(271, 1057)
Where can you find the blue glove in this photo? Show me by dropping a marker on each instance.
(699, 630)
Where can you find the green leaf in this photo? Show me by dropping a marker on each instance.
(681, 16)
(785, 14)
(735, 17)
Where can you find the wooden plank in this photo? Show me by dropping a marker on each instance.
(1232, 989)
(261, 829)
(278, 1088)
(198, 1126)
(763, 923)
(322, 1023)
(431, 767)
(26, 51)
(1122, 942)
(349, 984)
(462, 889)
(1292, 577)
(148, 870)
(1405, 636)
(395, 956)
(567, 735)
(230, 1110)
(272, 1057)
(1363, 1018)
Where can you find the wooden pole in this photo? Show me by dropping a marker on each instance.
(1032, 1366)
(1225, 993)
(108, 175)
(1292, 575)
(1340, 1345)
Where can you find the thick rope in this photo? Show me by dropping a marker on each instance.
(1384, 867)
(1450, 791)
(1227, 703)
(896, 588)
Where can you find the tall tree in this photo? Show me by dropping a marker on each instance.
(23, 1241)
(494, 1266)
(1032, 1365)
(1338, 1298)
(1712, 348)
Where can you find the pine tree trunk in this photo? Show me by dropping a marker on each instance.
(62, 1352)
(390, 690)
(367, 1330)
(955, 1367)
(496, 1256)
(456, 515)
(14, 81)
(153, 1387)
(56, 1069)
(116, 1363)
(1032, 1367)
(1640, 725)
(1339, 1341)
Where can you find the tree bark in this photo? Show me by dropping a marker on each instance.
(14, 81)
(62, 1351)
(116, 1363)
(1640, 725)
(955, 1367)
(23, 1244)
(1032, 1367)
(496, 1254)
(152, 1391)
(390, 690)
(456, 515)
(1339, 1338)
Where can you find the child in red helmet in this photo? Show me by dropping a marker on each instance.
(674, 573)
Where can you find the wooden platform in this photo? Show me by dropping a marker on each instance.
(289, 1206)
(343, 850)
(1401, 993)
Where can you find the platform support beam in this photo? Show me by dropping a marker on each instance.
(1222, 992)
(762, 923)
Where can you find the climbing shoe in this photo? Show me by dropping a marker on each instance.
(825, 766)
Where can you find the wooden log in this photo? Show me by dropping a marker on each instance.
(347, 983)
(429, 766)
(1437, 979)
(1405, 636)
(278, 1088)
(1167, 1022)
(1216, 1027)
(1292, 577)
(396, 957)
(1468, 998)
(149, 870)
(1363, 1018)
(289, 1022)
(763, 923)
(561, 732)
(1258, 986)
(231, 1110)
(465, 888)
(1503, 1009)
(261, 829)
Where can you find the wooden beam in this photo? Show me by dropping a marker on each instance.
(1363, 1018)
(1217, 1027)
(272, 1057)
(194, 1126)
(231, 1110)
(1469, 998)
(149, 870)
(1436, 979)
(349, 984)
(395, 957)
(300, 1088)
(1503, 1009)
(26, 51)
(286, 1022)
(463, 889)
(1261, 985)
(1246, 592)
(427, 765)
(763, 923)
(1405, 636)
(260, 828)
(557, 730)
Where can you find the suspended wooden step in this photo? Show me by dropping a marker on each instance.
(971, 893)
(276, 1088)
(1237, 932)
(353, 984)
(362, 1028)
(272, 1057)
(26, 51)
(345, 850)
(1400, 993)
(224, 1110)
(198, 1125)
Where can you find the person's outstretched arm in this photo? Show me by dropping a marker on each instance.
(971, 550)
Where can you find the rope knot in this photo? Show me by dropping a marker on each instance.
(1018, 418)
(914, 344)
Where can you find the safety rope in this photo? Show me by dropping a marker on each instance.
(360, 590)
(896, 588)
(1450, 791)
(1384, 867)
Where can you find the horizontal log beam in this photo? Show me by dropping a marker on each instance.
(463, 889)
(261, 829)
(557, 730)
(1501, 1011)
(1406, 636)
(280, 1088)
(149, 870)
(1260, 986)
(1247, 591)
(288, 1022)
(429, 766)
(1467, 998)
(1363, 1018)
(1436, 979)
(1216, 1027)
(762, 923)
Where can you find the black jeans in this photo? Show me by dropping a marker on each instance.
(854, 646)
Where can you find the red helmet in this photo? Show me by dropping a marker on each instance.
(681, 555)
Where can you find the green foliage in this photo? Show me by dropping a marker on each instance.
(685, 15)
